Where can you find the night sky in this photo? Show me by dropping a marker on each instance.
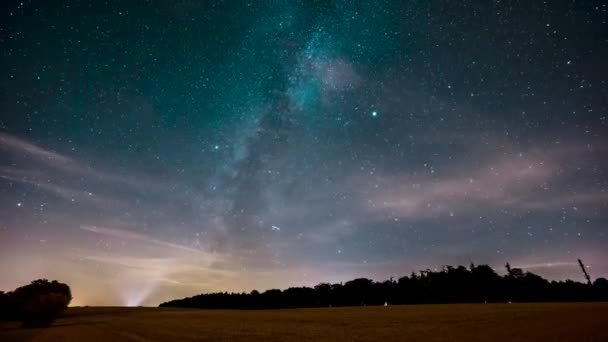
(151, 150)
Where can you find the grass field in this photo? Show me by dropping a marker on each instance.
(456, 322)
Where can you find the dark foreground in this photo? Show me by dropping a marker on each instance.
(456, 322)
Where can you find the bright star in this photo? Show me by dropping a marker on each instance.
(374, 113)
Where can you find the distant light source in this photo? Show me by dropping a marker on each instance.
(135, 299)
(374, 113)
(132, 303)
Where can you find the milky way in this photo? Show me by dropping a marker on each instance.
(161, 149)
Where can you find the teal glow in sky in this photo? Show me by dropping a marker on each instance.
(162, 149)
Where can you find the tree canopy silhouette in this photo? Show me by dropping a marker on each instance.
(476, 284)
(37, 303)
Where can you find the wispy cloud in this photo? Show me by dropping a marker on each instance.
(129, 235)
(546, 265)
(65, 192)
(161, 266)
(37, 155)
(13, 143)
(516, 181)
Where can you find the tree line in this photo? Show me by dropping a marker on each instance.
(476, 284)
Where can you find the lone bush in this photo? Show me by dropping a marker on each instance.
(40, 302)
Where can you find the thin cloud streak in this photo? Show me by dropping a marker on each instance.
(128, 235)
(545, 265)
(12, 143)
(22, 148)
(66, 193)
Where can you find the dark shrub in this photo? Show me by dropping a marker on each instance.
(41, 302)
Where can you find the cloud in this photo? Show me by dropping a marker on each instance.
(546, 265)
(129, 235)
(520, 181)
(25, 150)
(139, 279)
(13, 143)
(64, 192)
(161, 266)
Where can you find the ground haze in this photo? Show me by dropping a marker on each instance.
(463, 322)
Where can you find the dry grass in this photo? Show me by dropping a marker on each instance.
(466, 322)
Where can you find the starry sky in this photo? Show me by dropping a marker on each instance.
(151, 150)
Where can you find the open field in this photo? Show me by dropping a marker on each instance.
(455, 322)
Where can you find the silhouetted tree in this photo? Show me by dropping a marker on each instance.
(37, 303)
(7, 308)
(324, 295)
(600, 289)
(486, 284)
